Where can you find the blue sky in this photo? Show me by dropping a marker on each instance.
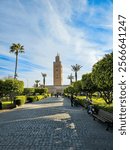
(79, 30)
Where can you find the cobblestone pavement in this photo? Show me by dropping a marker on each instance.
(52, 124)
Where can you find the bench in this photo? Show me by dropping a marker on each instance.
(105, 117)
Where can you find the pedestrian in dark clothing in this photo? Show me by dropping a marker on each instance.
(72, 100)
(0, 105)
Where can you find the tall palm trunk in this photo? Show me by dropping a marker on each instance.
(70, 81)
(44, 82)
(76, 68)
(75, 75)
(16, 49)
(70, 77)
(16, 64)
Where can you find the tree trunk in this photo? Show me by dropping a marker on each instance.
(70, 81)
(16, 63)
(75, 75)
(44, 82)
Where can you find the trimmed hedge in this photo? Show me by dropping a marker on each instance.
(83, 102)
(39, 97)
(29, 91)
(31, 99)
(19, 100)
(97, 102)
(34, 98)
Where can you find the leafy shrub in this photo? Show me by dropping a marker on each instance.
(49, 95)
(31, 99)
(29, 91)
(41, 90)
(35, 98)
(20, 100)
(99, 103)
(39, 97)
(11, 88)
(46, 95)
(5, 104)
(83, 102)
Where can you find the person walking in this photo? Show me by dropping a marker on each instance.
(0, 105)
(72, 100)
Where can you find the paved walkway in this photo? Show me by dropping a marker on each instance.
(52, 124)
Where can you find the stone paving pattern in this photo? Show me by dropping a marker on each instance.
(52, 124)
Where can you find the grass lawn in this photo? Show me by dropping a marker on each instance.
(81, 97)
(102, 104)
(99, 102)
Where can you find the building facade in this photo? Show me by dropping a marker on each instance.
(57, 86)
(56, 89)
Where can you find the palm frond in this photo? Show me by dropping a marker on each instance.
(44, 74)
(37, 81)
(70, 77)
(76, 67)
(16, 48)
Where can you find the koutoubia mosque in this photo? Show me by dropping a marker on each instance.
(57, 86)
(57, 71)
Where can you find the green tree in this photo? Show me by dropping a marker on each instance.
(102, 76)
(16, 48)
(70, 77)
(45, 90)
(69, 90)
(12, 88)
(1, 88)
(29, 91)
(87, 85)
(41, 90)
(77, 87)
(76, 68)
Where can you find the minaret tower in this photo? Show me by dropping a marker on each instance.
(57, 71)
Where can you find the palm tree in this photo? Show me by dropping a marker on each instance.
(37, 81)
(76, 68)
(70, 77)
(44, 76)
(16, 48)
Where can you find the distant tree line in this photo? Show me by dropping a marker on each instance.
(100, 80)
(13, 87)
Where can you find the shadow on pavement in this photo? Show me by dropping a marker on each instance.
(53, 125)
